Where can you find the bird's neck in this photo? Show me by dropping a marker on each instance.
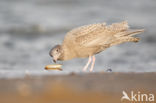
(67, 53)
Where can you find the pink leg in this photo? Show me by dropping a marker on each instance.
(93, 62)
(86, 66)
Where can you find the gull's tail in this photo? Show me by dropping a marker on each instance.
(129, 32)
(126, 36)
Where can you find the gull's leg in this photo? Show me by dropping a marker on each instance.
(86, 66)
(93, 62)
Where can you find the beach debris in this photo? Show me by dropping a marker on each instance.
(72, 73)
(109, 70)
(53, 67)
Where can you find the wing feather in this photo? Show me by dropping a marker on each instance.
(92, 34)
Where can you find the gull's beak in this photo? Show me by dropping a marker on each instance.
(54, 60)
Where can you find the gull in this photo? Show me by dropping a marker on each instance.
(89, 40)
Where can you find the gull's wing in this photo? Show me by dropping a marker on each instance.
(76, 34)
(94, 34)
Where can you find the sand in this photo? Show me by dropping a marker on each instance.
(76, 88)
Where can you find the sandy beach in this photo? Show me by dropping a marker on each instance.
(76, 88)
(30, 28)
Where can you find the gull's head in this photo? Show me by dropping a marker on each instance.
(56, 52)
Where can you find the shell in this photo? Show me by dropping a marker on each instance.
(53, 67)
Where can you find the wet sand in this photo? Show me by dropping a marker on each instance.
(76, 88)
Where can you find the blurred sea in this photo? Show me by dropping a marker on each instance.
(30, 28)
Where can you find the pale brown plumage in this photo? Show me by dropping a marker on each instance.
(91, 39)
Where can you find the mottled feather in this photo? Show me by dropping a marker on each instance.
(89, 34)
(92, 39)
